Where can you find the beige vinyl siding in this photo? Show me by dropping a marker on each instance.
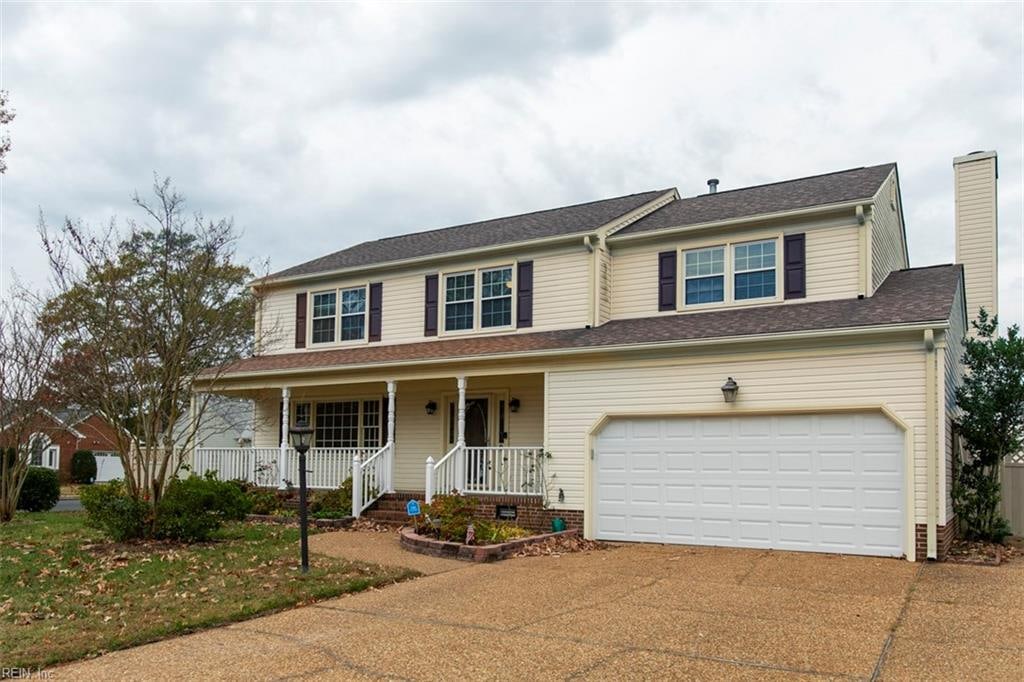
(954, 376)
(832, 252)
(561, 299)
(891, 375)
(417, 434)
(605, 286)
(888, 251)
(975, 184)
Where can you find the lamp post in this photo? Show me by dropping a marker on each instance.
(301, 437)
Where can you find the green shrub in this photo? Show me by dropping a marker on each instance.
(447, 517)
(337, 501)
(263, 501)
(40, 491)
(332, 514)
(110, 508)
(491, 533)
(194, 507)
(83, 467)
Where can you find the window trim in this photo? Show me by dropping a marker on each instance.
(337, 291)
(512, 265)
(729, 245)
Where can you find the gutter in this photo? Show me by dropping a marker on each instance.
(631, 347)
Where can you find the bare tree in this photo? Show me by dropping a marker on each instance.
(142, 312)
(6, 116)
(27, 353)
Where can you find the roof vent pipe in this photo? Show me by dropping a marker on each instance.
(712, 185)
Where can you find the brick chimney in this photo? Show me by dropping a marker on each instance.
(977, 229)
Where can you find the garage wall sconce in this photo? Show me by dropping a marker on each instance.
(729, 390)
(430, 407)
(514, 404)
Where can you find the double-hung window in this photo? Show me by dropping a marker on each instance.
(754, 270)
(459, 295)
(324, 312)
(353, 313)
(704, 275)
(496, 297)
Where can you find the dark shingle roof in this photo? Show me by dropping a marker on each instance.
(818, 190)
(907, 296)
(553, 222)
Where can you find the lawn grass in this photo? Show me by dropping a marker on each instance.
(67, 593)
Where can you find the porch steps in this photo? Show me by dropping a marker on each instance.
(390, 508)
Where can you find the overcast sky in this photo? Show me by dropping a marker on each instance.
(319, 126)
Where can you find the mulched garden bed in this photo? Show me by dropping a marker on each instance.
(562, 544)
(981, 553)
(421, 544)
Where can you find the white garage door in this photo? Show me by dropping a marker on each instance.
(826, 483)
(108, 466)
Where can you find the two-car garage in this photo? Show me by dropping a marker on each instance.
(828, 482)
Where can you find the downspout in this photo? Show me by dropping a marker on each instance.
(592, 272)
(931, 451)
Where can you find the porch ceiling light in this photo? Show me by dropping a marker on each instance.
(514, 404)
(430, 407)
(301, 437)
(729, 390)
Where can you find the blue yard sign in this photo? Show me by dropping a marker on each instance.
(412, 508)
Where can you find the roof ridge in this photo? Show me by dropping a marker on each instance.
(928, 267)
(786, 182)
(516, 215)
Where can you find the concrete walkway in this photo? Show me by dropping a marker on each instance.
(634, 612)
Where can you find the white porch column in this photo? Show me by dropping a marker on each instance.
(429, 487)
(282, 457)
(390, 482)
(460, 456)
(357, 486)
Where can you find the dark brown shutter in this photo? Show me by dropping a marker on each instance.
(430, 307)
(376, 309)
(300, 320)
(667, 280)
(794, 266)
(524, 294)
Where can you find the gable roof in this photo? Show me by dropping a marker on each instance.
(916, 295)
(554, 222)
(818, 190)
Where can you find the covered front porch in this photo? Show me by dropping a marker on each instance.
(481, 435)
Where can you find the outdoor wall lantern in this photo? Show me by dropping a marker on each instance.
(514, 404)
(729, 390)
(431, 407)
(301, 437)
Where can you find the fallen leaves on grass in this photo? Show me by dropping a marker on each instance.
(364, 525)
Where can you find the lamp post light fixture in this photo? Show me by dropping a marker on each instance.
(729, 390)
(301, 437)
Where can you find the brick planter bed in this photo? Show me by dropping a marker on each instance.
(344, 522)
(411, 541)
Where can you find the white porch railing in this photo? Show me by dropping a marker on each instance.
(372, 478)
(487, 471)
(327, 467)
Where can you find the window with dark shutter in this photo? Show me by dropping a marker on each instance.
(667, 280)
(430, 307)
(795, 266)
(376, 310)
(300, 320)
(524, 294)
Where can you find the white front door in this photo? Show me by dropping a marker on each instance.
(827, 483)
(51, 458)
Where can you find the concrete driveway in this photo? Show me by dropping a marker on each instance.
(634, 612)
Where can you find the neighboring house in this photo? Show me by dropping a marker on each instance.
(57, 434)
(226, 423)
(757, 367)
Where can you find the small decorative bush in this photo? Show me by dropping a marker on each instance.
(263, 501)
(40, 491)
(447, 517)
(337, 502)
(83, 467)
(488, 533)
(194, 507)
(110, 508)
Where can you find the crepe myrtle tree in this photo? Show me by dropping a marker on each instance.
(141, 311)
(27, 353)
(991, 423)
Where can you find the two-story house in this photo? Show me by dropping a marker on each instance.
(758, 367)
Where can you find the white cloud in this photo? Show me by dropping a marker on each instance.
(343, 123)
